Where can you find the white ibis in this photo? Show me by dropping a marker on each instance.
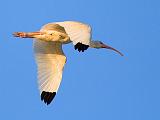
(49, 54)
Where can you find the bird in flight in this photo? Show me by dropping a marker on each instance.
(49, 55)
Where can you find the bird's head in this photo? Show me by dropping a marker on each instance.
(99, 44)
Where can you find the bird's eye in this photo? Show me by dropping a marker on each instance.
(51, 34)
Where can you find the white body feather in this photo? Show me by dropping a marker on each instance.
(50, 57)
(50, 62)
(49, 54)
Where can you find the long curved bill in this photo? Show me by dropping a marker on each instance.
(111, 48)
(27, 34)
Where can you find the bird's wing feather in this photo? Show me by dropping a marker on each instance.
(50, 62)
(78, 32)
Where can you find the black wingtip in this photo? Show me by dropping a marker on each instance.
(81, 47)
(47, 97)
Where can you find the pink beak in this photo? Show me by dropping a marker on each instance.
(111, 48)
(27, 34)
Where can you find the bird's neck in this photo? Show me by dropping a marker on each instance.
(92, 44)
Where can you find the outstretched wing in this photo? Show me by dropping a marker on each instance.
(79, 33)
(50, 62)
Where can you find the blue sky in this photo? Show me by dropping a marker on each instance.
(97, 84)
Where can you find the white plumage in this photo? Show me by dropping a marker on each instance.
(50, 63)
(49, 54)
(78, 32)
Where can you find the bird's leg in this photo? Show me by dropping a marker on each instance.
(20, 34)
(27, 34)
